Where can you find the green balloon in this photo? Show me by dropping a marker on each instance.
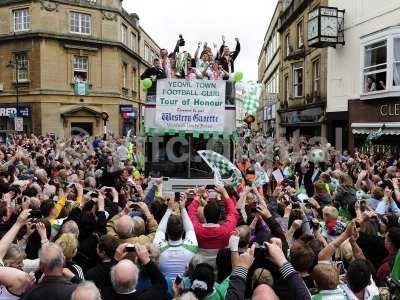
(147, 83)
(238, 76)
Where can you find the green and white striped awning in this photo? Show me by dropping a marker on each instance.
(390, 128)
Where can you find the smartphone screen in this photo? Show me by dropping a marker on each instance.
(178, 280)
(177, 196)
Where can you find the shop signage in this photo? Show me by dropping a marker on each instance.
(389, 110)
(19, 124)
(190, 105)
(125, 108)
(11, 112)
(307, 115)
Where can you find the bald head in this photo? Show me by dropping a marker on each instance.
(139, 227)
(86, 291)
(124, 226)
(264, 292)
(124, 277)
(51, 259)
(70, 227)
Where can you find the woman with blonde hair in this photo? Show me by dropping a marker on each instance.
(69, 244)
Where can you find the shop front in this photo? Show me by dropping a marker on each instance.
(7, 114)
(379, 119)
(270, 120)
(129, 115)
(307, 122)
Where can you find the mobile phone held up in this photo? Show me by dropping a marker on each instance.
(177, 196)
(130, 248)
(178, 280)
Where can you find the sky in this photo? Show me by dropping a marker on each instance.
(207, 20)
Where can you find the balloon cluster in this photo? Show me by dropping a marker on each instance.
(147, 83)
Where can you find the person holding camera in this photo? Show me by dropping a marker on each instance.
(176, 252)
(125, 275)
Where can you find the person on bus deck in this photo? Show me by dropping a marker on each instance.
(214, 71)
(227, 57)
(154, 73)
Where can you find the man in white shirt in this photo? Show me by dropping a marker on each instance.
(175, 253)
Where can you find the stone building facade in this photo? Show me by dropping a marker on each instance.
(268, 75)
(302, 75)
(74, 60)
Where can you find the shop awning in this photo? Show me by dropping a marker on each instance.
(391, 128)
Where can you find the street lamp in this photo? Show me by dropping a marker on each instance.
(16, 64)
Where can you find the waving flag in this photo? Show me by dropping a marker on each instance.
(224, 170)
(251, 97)
(261, 176)
(374, 135)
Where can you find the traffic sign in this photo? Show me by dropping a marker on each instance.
(19, 124)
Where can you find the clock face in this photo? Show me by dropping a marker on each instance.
(312, 28)
(329, 26)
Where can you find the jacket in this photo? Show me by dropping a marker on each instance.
(157, 290)
(345, 196)
(214, 236)
(57, 288)
(151, 226)
(153, 71)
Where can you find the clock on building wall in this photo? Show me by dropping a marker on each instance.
(325, 27)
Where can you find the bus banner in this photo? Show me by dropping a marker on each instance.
(188, 105)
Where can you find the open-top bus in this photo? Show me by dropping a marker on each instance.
(188, 116)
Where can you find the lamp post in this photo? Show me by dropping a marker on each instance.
(16, 64)
(104, 117)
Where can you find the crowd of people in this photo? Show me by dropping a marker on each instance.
(80, 221)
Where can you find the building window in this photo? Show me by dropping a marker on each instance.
(133, 41)
(272, 86)
(316, 78)
(134, 79)
(22, 69)
(286, 86)
(147, 53)
(124, 34)
(287, 44)
(80, 23)
(298, 80)
(22, 19)
(80, 68)
(124, 75)
(396, 62)
(375, 67)
(300, 35)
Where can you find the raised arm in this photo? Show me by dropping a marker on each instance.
(326, 253)
(190, 234)
(196, 54)
(296, 284)
(162, 228)
(237, 49)
(9, 237)
(232, 215)
(193, 212)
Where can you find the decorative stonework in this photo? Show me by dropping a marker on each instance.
(48, 5)
(109, 15)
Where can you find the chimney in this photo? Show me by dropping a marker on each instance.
(135, 19)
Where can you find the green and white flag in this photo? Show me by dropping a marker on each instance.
(261, 176)
(374, 135)
(224, 170)
(251, 97)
